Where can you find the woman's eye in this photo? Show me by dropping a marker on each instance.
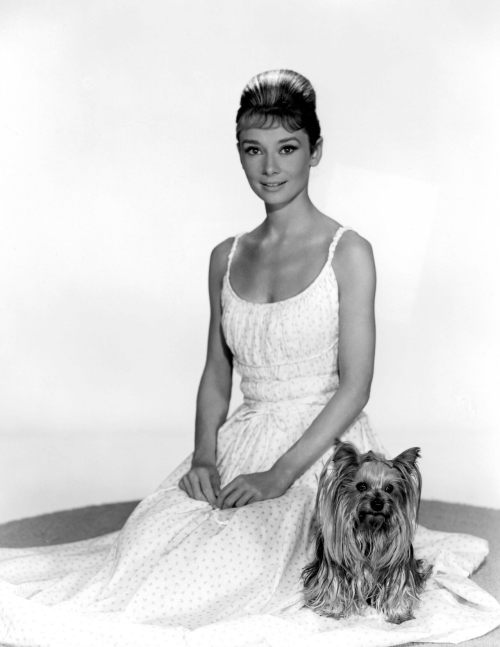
(288, 149)
(389, 488)
(361, 487)
(252, 150)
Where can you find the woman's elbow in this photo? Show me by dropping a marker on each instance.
(364, 396)
(358, 392)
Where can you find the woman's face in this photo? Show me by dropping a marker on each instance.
(277, 162)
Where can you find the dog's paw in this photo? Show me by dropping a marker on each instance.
(335, 611)
(397, 618)
(336, 614)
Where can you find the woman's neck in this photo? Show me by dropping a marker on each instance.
(283, 221)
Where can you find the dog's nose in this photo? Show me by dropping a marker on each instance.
(377, 505)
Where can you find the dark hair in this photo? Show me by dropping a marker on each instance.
(279, 96)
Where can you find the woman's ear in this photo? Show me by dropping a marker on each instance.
(317, 152)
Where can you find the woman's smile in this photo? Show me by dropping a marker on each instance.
(273, 186)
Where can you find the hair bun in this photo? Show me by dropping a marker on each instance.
(279, 96)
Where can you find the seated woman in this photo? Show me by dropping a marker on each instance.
(226, 535)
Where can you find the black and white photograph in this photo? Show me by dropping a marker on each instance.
(249, 323)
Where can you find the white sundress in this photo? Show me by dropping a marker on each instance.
(182, 573)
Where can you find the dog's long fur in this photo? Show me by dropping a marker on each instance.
(365, 519)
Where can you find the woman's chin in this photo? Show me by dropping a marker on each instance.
(275, 200)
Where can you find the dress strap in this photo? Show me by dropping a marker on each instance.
(231, 253)
(333, 245)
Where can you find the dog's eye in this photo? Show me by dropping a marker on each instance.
(389, 488)
(361, 487)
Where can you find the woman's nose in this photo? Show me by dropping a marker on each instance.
(270, 165)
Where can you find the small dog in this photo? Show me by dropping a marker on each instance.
(365, 519)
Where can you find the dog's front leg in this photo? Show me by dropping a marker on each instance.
(400, 612)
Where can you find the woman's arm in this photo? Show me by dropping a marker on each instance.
(355, 271)
(202, 481)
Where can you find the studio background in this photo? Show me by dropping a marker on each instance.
(119, 173)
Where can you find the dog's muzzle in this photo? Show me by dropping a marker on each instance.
(373, 514)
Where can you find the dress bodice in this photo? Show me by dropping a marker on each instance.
(286, 350)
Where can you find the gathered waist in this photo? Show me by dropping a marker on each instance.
(315, 389)
(298, 401)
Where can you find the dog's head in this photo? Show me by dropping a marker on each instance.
(368, 500)
(377, 489)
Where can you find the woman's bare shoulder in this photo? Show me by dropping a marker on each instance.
(353, 256)
(217, 268)
(353, 245)
(220, 254)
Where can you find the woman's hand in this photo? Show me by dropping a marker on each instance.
(202, 482)
(249, 488)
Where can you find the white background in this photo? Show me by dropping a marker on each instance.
(118, 174)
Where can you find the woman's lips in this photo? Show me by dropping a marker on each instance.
(273, 186)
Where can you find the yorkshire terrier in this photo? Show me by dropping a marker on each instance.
(365, 519)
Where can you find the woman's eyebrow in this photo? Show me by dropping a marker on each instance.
(281, 141)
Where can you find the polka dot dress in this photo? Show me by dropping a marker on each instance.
(182, 573)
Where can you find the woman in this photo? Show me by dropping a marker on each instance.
(226, 535)
(285, 267)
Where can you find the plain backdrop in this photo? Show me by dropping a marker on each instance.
(119, 173)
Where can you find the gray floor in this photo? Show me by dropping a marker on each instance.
(72, 525)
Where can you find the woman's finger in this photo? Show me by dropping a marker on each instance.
(215, 481)
(233, 496)
(245, 499)
(184, 485)
(189, 487)
(206, 488)
(226, 491)
(195, 486)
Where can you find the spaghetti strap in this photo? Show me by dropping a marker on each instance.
(231, 253)
(333, 245)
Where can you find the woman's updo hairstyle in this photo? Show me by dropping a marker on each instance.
(280, 97)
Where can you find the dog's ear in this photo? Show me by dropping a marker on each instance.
(406, 464)
(407, 459)
(345, 454)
